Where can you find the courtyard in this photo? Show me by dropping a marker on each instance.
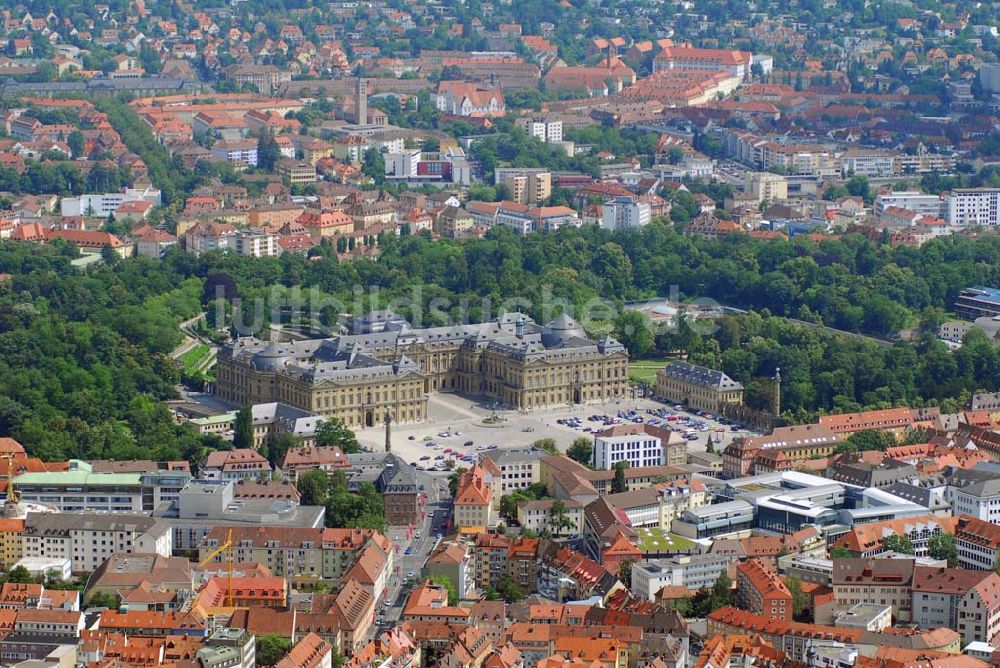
(463, 420)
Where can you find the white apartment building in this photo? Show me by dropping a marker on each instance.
(241, 153)
(625, 212)
(103, 205)
(694, 572)
(867, 163)
(973, 207)
(89, 539)
(911, 200)
(537, 515)
(546, 130)
(975, 494)
(519, 468)
(256, 243)
(639, 445)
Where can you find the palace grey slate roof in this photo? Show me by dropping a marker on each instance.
(700, 375)
(352, 356)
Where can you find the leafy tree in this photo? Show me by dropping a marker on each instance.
(243, 428)
(867, 439)
(271, 648)
(548, 445)
(581, 450)
(618, 484)
(102, 599)
(313, 487)
(722, 590)
(363, 508)
(76, 143)
(625, 572)
(20, 575)
(268, 152)
(333, 432)
(277, 446)
(635, 332)
(453, 479)
(898, 543)
(558, 518)
(509, 503)
(509, 590)
(839, 553)
(446, 582)
(373, 166)
(800, 600)
(942, 546)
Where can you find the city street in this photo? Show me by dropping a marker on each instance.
(438, 513)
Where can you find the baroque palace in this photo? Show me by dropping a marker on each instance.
(391, 368)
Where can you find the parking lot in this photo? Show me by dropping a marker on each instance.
(462, 419)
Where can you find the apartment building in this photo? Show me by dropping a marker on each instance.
(639, 445)
(538, 515)
(910, 200)
(879, 581)
(625, 213)
(866, 540)
(89, 539)
(519, 467)
(697, 571)
(957, 598)
(735, 63)
(298, 172)
(105, 204)
(761, 591)
(238, 464)
(657, 505)
(524, 219)
(974, 493)
(973, 207)
(526, 185)
(240, 153)
(257, 242)
(548, 130)
(867, 162)
(802, 160)
(81, 489)
(455, 561)
(977, 542)
(767, 187)
(11, 542)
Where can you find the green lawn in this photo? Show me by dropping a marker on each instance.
(645, 370)
(194, 358)
(652, 539)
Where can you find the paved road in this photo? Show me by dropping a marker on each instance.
(438, 511)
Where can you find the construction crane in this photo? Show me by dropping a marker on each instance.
(12, 496)
(226, 547)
